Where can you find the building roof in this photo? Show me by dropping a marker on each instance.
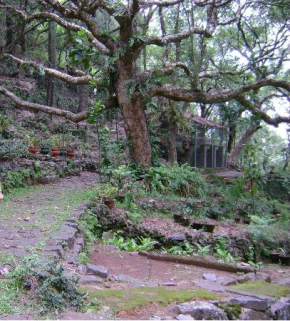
(202, 121)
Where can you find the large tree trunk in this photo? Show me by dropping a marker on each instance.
(52, 62)
(83, 91)
(172, 150)
(232, 137)
(134, 117)
(245, 139)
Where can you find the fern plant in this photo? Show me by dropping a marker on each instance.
(178, 179)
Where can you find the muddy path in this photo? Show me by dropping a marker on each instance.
(30, 217)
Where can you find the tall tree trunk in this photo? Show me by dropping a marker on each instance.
(172, 150)
(9, 31)
(52, 56)
(232, 137)
(83, 97)
(245, 139)
(3, 28)
(134, 117)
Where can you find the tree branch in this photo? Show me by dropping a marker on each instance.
(160, 3)
(180, 94)
(163, 41)
(262, 115)
(62, 22)
(22, 104)
(53, 72)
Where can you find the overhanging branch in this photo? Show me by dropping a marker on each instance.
(163, 41)
(77, 80)
(22, 104)
(262, 115)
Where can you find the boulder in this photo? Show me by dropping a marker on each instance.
(177, 238)
(90, 279)
(254, 277)
(255, 303)
(184, 317)
(209, 277)
(249, 314)
(98, 270)
(201, 310)
(281, 309)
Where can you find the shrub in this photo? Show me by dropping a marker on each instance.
(48, 284)
(16, 179)
(12, 148)
(182, 180)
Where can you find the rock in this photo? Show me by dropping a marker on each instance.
(78, 316)
(249, 314)
(184, 317)
(4, 270)
(200, 310)
(227, 280)
(106, 236)
(209, 277)
(281, 309)
(57, 249)
(169, 283)
(90, 279)
(210, 286)
(155, 317)
(177, 238)
(258, 304)
(254, 277)
(98, 270)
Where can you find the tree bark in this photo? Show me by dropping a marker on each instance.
(172, 150)
(245, 139)
(83, 98)
(232, 137)
(52, 56)
(134, 117)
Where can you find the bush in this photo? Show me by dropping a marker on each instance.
(48, 285)
(278, 185)
(17, 179)
(12, 148)
(182, 180)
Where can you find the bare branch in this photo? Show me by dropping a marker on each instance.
(160, 3)
(163, 41)
(22, 104)
(264, 116)
(166, 71)
(53, 72)
(62, 22)
(180, 94)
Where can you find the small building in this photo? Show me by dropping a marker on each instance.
(208, 143)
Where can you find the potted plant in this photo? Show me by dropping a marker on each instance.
(56, 144)
(34, 146)
(45, 148)
(109, 201)
(71, 151)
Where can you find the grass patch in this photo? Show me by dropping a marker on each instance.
(263, 288)
(131, 299)
(9, 298)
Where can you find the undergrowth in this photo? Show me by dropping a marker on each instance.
(46, 284)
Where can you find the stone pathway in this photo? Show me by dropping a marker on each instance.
(29, 220)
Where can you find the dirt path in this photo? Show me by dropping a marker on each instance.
(29, 219)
